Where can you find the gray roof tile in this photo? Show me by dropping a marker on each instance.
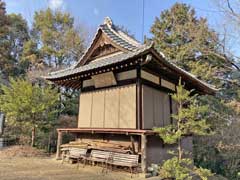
(98, 63)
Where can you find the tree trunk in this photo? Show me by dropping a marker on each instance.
(33, 136)
(179, 139)
(49, 143)
(179, 150)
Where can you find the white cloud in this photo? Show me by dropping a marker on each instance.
(96, 11)
(56, 4)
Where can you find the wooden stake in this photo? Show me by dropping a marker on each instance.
(144, 153)
(59, 142)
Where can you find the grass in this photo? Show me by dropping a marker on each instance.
(22, 168)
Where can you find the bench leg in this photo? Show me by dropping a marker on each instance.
(131, 171)
(106, 167)
(63, 158)
(78, 161)
(84, 162)
(102, 167)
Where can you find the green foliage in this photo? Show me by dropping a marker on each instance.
(4, 43)
(181, 170)
(188, 121)
(189, 42)
(14, 35)
(18, 35)
(28, 105)
(173, 168)
(31, 56)
(61, 43)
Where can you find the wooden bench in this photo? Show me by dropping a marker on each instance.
(75, 153)
(100, 156)
(124, 160)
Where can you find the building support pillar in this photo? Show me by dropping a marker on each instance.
(59, 143)
(144, 153)
(139, 98)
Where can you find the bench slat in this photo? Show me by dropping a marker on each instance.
(120, 159)
(100, 156)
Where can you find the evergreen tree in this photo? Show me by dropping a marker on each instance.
(188, 121)
(189, 42)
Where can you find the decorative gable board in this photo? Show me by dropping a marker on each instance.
(101, 46)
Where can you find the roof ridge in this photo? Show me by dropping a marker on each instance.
(108, 21)
(121, 34)
(118, 36)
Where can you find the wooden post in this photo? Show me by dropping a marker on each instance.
(144, 153)
(133, 144)
(59, 142)
(139, 98)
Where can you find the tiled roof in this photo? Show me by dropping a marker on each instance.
(99, 63)
(116, 35)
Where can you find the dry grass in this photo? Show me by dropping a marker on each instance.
(19, 163)
(25, 163)
(21, 151)
(22, 168)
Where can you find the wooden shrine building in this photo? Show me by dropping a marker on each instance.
(124, 92)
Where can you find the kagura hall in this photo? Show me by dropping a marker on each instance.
(124, 92)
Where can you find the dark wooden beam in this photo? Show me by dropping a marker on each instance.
(171, 110)
(139, 98)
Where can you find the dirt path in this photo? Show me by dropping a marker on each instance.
(22, 168)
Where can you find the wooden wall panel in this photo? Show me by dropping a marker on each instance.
(98, 109)
(174, 109)
(108, 108)
(148, 109)
(127, 98)
(166, 110)
(156, 108)
(111, 108)
(85, 109)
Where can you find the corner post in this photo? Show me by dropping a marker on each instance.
(144, 153)
(139, 98)
(59, 142)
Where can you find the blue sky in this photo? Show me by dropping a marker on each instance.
(122, 12)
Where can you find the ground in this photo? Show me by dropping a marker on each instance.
(24, 163)
(47, 168)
